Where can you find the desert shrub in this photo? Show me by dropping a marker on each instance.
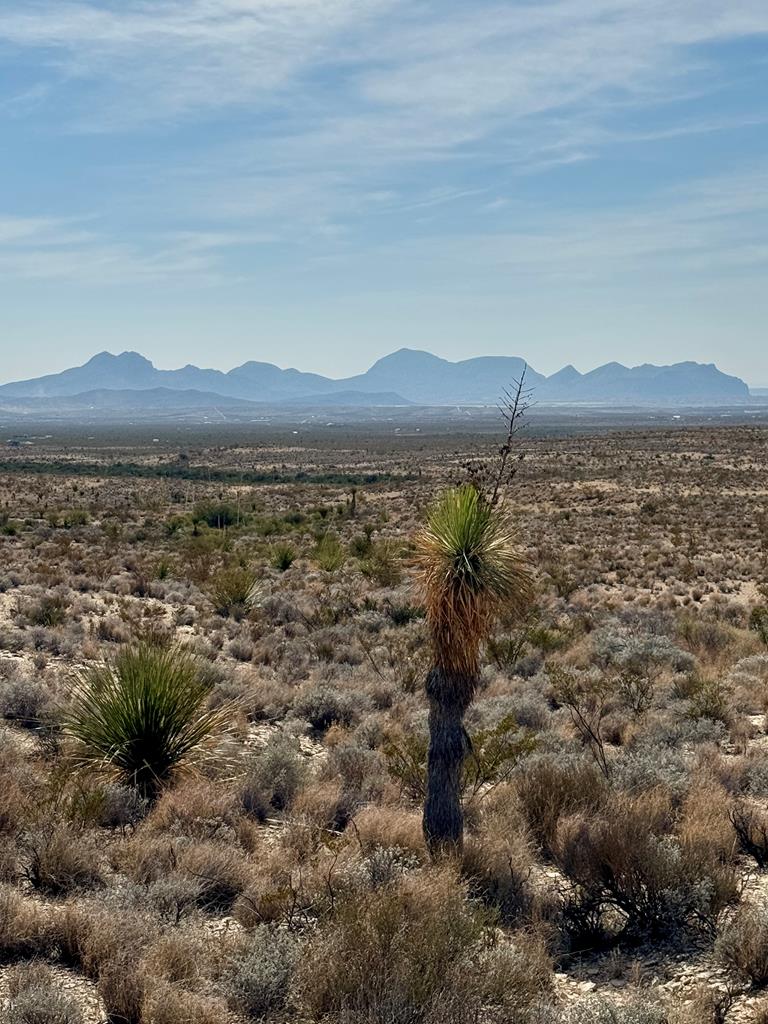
(379, 867)
(706, 637)
(362, 770)
(647, 766)
(275, 776)
(403, 614)
(408, 952)
(323, 705)
(493, 756)
(362, 543)
(626, 858)
(61, 861)
(596, 1010)
(641, 652)
(328, 553)
(218, 516)
(142, 715)
(709, 697)
(220, 872)
(49, 611)
(282, 556)
(234, 591)
(36, 998)
(119, 806)
(382, 564)
(24, 929)
(758, 622)
(550, 787)
(588, 696)
(24, 700)
(751, 827)
(743, 944)
(755, 774)
(258, 977)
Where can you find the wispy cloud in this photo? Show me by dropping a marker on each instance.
(66, 250)
(702, 233)
(370, 70)
(709, 228)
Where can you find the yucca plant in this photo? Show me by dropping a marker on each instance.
(234, 591)
(282, 556)
(329, 553)
(141, 716)
(470, 567)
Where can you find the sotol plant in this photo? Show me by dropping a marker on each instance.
(470, 568)
(140, 716)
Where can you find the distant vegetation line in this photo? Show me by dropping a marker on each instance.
(202, 473)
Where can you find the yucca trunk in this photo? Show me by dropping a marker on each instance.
(449, 697)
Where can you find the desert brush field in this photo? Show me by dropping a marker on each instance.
(255, 850)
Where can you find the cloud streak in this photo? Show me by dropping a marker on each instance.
(366, 68)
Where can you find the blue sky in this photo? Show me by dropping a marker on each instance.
(318, 182)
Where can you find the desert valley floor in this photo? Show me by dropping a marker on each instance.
(616, 800)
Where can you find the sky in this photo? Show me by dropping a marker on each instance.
(316, 183)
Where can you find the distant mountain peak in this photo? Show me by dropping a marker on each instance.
(406, 357)
(127, 358)
(566, 375)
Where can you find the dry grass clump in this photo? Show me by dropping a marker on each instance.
(743, 944)
(550, 787)
(167, 1004)
(25, 930)
(408, 951)
(36, 997)
(61, 860)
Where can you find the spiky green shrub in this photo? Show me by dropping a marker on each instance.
(382, 564)
(328, 553)
(234, 591)
(282, 556)
(140, 716)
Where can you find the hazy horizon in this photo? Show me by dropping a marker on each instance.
(318, 184)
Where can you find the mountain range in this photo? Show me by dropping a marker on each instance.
(404, 377)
